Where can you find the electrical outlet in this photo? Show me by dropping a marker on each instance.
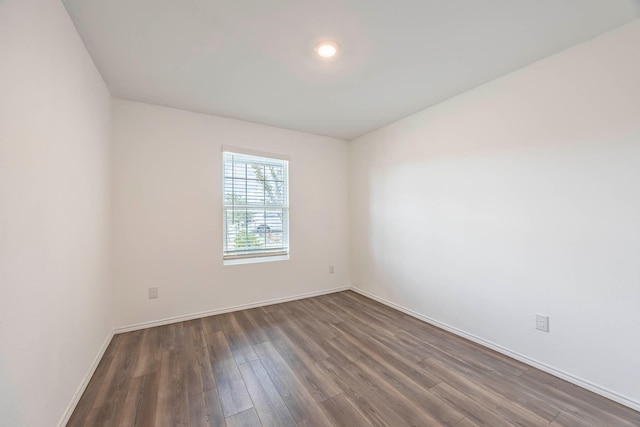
(542, 323)
(153, 293)
(331, 269)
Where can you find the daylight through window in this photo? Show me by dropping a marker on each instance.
(256, 205)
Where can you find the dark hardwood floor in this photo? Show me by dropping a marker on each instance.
(338, 359)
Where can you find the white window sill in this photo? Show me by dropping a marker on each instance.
(255, 260)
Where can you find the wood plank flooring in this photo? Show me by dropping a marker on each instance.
(334, 360)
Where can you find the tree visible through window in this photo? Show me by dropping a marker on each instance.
(256, 207)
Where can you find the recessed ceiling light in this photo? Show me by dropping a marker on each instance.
(327, 49)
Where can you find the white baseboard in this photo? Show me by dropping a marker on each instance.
(602, 391)
(182, 318)
(85, 381)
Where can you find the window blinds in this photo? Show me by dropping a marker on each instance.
(256, 205)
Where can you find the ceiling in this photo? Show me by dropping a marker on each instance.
(254, 59)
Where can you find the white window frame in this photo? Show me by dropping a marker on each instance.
(231, 257)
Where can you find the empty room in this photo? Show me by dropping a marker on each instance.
(338, 213)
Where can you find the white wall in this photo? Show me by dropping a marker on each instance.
(519, 197)
(167, 213)
(55, 304)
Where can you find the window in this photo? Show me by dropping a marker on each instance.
(256, 204)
